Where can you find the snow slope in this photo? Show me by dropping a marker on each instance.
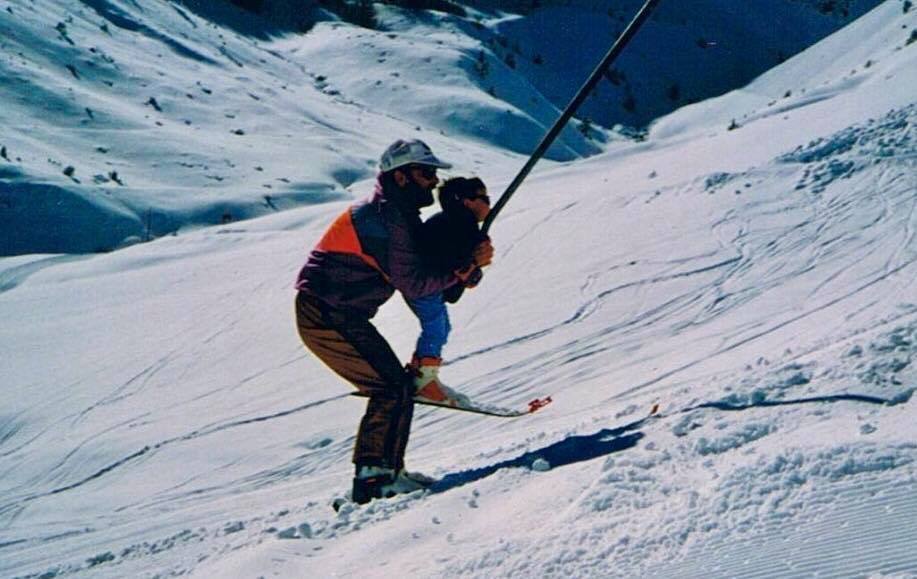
(160, 417)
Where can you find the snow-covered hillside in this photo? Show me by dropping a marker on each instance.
(756, 279)
(124, 122)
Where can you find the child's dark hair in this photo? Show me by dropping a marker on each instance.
(456, 189)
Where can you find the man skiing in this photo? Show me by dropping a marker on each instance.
(366, 254)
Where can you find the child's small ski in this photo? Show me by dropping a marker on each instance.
(475, 407)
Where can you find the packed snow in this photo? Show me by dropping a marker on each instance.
(724, 311)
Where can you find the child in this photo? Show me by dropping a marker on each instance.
(449, 239)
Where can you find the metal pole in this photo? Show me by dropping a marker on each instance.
(546, 141)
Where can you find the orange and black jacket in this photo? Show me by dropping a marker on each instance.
(366, 254)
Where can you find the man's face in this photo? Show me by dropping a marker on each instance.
(424, 175)
(419, 181)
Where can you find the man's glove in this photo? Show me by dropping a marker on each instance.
(470, 277)
(475, 278)
(466, 273)
(471, 274)
(453, 293)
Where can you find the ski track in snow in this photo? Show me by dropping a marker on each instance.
(880, 515)
(148, 450)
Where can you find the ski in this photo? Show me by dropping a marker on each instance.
(482, 408)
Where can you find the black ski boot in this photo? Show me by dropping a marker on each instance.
(373, 486)
(375, 482)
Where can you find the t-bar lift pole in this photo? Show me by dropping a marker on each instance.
(584, 91)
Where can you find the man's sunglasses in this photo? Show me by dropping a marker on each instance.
(484, 198)
(426, 171)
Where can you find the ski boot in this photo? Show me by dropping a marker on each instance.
(428, 387)
(376, 482)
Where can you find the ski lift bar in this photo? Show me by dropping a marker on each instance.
(548, 139)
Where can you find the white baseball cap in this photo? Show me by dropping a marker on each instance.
(411, 152)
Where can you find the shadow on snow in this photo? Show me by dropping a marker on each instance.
(567, 451)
